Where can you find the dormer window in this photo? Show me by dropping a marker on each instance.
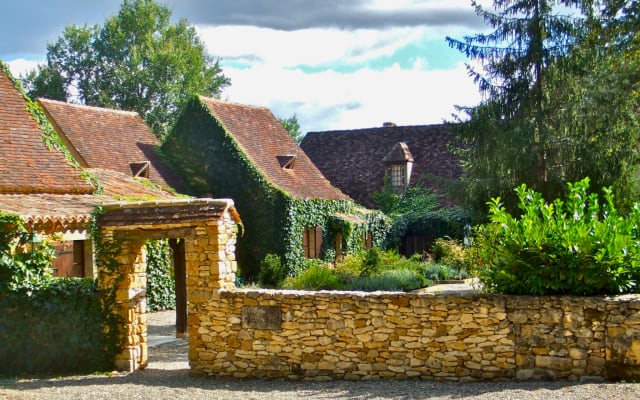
(287, 162)
(398, 163)
(140, 169)
(398, 175)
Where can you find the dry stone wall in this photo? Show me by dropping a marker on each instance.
(354, 335)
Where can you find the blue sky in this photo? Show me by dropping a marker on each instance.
(335, 64)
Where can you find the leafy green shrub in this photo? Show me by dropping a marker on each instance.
(577, 247)
(352, 264)
(453, 253)
(22, 267)
(272, 271)
(315, 277)
(391, 280)
(440, 272)
(161, 286)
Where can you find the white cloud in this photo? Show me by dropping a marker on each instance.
(307, 46)
(365, 98)
(21, 66)
(270, 68)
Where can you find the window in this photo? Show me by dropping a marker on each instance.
(312, 241)
(398, 175)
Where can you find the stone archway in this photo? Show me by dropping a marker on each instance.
(208, 229)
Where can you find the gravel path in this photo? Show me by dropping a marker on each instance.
(167, 377)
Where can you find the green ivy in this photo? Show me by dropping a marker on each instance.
(49, 325)
(49, 135)
(161, 287)
(418, 211)
(212, 162)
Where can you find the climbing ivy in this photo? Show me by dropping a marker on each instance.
(49, 325)
(49, 135)
(213, 163)
(161, 287)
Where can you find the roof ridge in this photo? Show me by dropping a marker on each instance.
(95, 108)
(233, 103)
(381, 128)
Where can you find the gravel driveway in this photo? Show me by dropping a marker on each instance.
(167, 377)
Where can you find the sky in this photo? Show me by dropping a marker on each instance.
(334, 64)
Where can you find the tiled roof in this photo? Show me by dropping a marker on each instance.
(26, 164)
(167, 212)
(58, 212)
(353, 160)
(116, 185)
(110, 139)
(271, 149)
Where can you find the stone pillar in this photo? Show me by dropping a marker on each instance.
(130, 302)
(210, 265)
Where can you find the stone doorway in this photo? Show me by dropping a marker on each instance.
(206, 227)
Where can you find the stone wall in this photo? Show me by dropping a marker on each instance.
(354, 335)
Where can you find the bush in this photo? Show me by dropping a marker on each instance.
(440, 272)
(315, 277)
(577, 247)
(272, 272)
(453, 253)
(404, 280)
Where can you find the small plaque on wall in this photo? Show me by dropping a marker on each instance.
(261, 317)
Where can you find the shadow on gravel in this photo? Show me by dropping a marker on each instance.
(167, 376)
(179, 384)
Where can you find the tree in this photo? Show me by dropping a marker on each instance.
(508, 139)
(138, 60)
(292, 126)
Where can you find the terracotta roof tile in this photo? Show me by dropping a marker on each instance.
(272, 150)
(26, 164)
(58, 212)
(107, 138)
(354, 160)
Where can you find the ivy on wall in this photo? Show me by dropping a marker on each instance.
(50, 325)
(49, 135)
(211, 162)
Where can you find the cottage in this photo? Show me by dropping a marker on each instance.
(110, 139)
(360, 162)
(42, 183)
(289, 208)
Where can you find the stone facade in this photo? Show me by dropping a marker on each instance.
(354, 335)
(210, 263)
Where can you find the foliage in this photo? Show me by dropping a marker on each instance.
(435, 271)
(392, 280)
(292, 126)
(138, 60)
(49, 324)
(211, 161)
(22, 265)
(418, 211)
(272, 272)
(561, 101)
(161, 286)
(577, 247)
(454, 254)
(57, 328)
(316, 276)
